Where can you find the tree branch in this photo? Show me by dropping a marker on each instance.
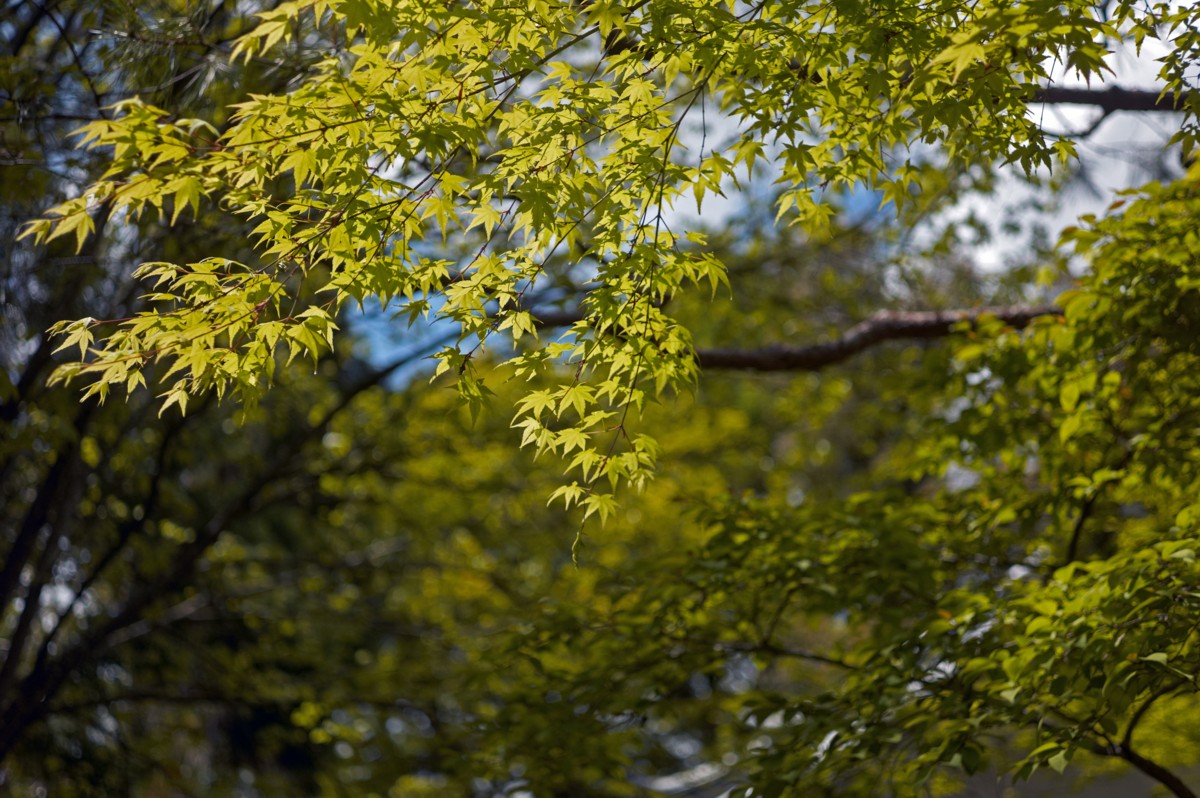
(1127, 739)
(1123, 750)
(888, 325)
(1165, 777)
(1085, 512)
(1114, 99)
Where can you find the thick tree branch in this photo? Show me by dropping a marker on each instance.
(888, 325)
(884, 326)
(1162, 692)
(1177, 786)
(1114, 99)
(1123, 750)
(1085, 512)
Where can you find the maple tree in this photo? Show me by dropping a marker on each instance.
(548, 142)
(1002, 576)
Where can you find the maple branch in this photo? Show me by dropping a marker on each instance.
(1115, 98)
(887, 325)
(1165, 777)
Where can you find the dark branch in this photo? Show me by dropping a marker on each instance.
(784, 651)
(1165, 777)
(887, 325)
(1162, 692)
(1085, 512)
(1114, 99)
